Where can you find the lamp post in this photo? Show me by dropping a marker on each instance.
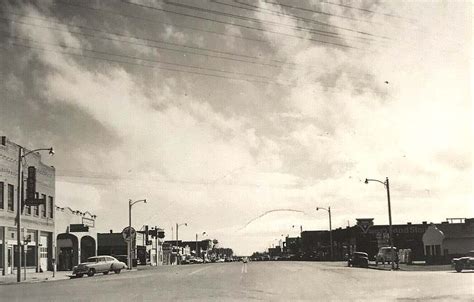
(387, 187)
(177, 227)
(19, 203)
(197, 252)
(330, 228)
(130, 242)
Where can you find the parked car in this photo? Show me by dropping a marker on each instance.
(385, 255)
(245, 259)
(360, 259)
(98, 264)
(466, 262)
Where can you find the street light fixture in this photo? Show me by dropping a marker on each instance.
(387, 187)
(129, 243)
(177, 227)
(19, 202)
(330, 228)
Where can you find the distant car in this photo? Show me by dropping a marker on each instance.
(98, 264)
(245, 259)
(466, 262)
(385, 255)
(220, 260)
(360, 259)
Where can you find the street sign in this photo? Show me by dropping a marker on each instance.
(365, 224)
(128, 235)
(35, 202)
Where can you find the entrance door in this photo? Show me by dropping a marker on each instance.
(43, 253)
(10, 260)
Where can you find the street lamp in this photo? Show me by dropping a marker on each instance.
(197, 252)
(129, 243)
(19, 202)
(177, 227)
(330, 228)
(387, 186)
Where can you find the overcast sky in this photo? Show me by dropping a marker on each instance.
(217, 111)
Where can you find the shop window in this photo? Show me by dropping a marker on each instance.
(1, 197)
(11, 206)
(43, 207)
(36, 208)
(51, 207)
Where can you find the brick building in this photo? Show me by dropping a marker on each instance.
(37, 223)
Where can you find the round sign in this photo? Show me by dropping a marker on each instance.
(128, 234)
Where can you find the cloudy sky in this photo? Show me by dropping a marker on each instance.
(217, 111)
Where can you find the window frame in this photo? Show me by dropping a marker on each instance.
(12, 195)
(2, 195)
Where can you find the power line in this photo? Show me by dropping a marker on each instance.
(245, 26)
(253, 19)
(150, 40)
(330, 34)
(364, 10)
(154, 21)
(307, 10)
(150, 66)
(154, 46)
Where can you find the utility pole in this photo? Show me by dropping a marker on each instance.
(196, 245)
(156, 246)
(18, 217)
(390, 222)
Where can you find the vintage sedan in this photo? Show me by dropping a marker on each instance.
(98, 264)
(360, 259)
(466, 262)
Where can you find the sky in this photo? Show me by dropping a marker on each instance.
(220, 111)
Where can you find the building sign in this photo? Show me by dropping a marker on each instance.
(89, 222)
(78, 228)
(365, 224)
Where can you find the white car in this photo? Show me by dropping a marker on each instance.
(98, 264)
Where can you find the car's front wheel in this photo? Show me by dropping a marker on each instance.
(91, 272)
(106, 272)
(459, 266)
(117, 271)
(79, 275)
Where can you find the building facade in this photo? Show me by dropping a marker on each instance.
(445, 241)
(37, 222)
(76, 238)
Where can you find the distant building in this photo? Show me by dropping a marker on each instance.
(37, 223)
(315, 245)
(76, 237)
(445, 241)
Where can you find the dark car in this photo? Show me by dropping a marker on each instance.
(359, 259)
(466, 262)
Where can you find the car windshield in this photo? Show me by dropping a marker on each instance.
(93, 259)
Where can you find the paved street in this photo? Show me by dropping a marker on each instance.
(276, 281)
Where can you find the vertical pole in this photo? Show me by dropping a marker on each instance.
(387, 185)
(129, 242)
(177, 254)
(24, 245)
(156, 245)
(196, 245)
(18, 218)
(330, 233)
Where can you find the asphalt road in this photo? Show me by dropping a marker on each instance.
(265, 281)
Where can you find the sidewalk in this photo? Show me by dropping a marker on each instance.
(47, 276)
(32, 277)
(414, 267)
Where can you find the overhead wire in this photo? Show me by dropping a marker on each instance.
(294, 66)
(220, 13)
(330, 34)
(247, 27)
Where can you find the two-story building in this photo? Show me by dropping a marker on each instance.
(37, 222)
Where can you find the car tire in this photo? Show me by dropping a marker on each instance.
(91, 272)
(79, 275)
(106, 272)
(117, 271)
(458, 267)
